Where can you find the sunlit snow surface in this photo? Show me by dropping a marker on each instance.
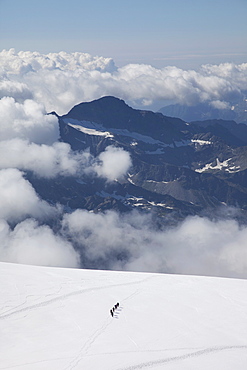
(53, 318)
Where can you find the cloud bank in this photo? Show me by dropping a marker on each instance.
(30, 243)
(132, 242)
(129, 242)
(18, 199)
(27, 120)
(61, 80)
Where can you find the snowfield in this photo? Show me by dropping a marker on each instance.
(59, 319)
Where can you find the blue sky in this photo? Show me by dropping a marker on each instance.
(184, 33)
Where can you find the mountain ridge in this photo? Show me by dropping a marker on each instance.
(199, 165)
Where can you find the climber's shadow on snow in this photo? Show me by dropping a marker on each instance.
(117, 312)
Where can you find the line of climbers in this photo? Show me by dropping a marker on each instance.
(114, 308)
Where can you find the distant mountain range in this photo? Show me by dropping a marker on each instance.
(205, 111)
(179, 168)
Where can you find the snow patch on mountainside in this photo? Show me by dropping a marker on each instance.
(97, 129)
(158, 182)
(201, 142)
(90, 131)
(219, 166)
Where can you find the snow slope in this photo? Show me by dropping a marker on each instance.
(52, 318)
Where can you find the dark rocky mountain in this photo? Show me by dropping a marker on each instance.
(178, 169)
(205, 111)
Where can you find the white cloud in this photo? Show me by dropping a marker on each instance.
(61, 80)
(19, 200)
(220, 104)
(43, 160)
(58, 159)
(26, 61)
(30, 243)
(196, 246)
(17, 90)
(27, 121)
(113, 163)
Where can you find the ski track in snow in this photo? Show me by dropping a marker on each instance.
(202, 352)
(32, 363)
(85, 348)
(87, 345)
(7, 308)
(66, 296)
